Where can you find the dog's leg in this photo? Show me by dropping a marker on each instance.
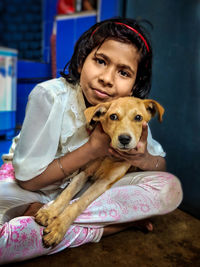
(55, 232)
(46, 215)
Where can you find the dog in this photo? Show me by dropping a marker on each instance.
(122, 120)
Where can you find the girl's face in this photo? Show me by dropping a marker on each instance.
(109, 72)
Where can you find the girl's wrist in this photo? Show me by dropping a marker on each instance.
(154, 163)
(90, 152)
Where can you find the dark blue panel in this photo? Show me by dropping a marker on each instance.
(31, 69)
(47, 32)
(7, 123)
(29, 74)
(64, 42)
(4, 148)
(49, 12)
(83, 24)
(69, 30)
(7, 120)
(176, 85)
(109, 9)
(49, 9)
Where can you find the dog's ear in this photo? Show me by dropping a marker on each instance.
(96, 113)
(154, 107)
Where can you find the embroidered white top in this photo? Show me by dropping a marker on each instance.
(54, 125)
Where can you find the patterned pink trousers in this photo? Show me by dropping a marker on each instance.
(135, 197)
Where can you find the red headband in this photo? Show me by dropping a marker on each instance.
(132, 29)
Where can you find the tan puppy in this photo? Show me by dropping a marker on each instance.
(122, 120)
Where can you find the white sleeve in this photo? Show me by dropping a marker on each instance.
(40, 134)
(153, 147)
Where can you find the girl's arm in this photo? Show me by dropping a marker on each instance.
(34, 158)
(53, 173)
(96, 147)
(140, 157)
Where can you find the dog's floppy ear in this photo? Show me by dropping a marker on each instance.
(152, 107)
(95, 113)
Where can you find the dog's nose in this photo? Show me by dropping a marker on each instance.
(124, 139)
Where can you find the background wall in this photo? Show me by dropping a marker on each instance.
(176, 85)
(176, 80)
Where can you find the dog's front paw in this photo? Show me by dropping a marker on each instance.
(54, 233)
(45, 216)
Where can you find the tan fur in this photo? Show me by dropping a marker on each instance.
(106, 171)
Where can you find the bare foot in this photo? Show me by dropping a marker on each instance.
(33, 208)
(143, 225)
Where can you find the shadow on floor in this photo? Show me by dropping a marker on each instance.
(175, 242)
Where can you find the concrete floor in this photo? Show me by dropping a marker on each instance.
(175, 242)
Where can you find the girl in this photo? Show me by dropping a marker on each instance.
(112, 59)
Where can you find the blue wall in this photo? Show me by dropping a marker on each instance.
(176, 84)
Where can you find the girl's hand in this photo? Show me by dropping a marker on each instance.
(33, 209)
(139, 156)
(99, 142)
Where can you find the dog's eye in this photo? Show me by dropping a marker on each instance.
(113, 117)
(138, 118)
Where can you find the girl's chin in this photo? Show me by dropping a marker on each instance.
(93, 100)
(97, 101)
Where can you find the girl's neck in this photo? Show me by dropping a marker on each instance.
(87, 104)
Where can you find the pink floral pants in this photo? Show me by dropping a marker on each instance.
(135, 197)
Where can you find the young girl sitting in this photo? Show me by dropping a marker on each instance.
(111, 60)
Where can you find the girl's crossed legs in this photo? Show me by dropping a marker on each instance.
(135, 197)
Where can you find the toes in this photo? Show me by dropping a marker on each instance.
(144, 225)
(46, 231)
(53, 234)
(51, 239)
(149, 226)
(42, 218)
(45, 217)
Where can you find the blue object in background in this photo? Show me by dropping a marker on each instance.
(109, 9)
(30, 73)
(8, 62)
(69, 29)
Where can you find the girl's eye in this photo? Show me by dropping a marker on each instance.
(113, 117)
(138, 118)
(100, 61)
(124, 73)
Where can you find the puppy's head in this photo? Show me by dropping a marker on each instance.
(122, 119)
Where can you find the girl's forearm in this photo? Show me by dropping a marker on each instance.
(155, 163)
(54, 173)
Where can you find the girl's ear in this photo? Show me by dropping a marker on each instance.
(96, 113)
(154, 107)
(79, 69)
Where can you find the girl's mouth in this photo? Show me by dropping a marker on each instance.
(101, 94)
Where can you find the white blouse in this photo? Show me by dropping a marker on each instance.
(54, 125)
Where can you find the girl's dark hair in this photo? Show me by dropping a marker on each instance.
(109, 29)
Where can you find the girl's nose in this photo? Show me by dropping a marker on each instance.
(106, 78)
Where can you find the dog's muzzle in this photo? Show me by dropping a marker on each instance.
(126, 142)
(124, 139)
